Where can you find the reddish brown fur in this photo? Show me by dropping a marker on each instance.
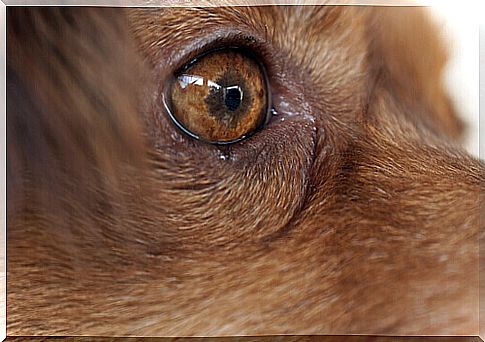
(357, 214)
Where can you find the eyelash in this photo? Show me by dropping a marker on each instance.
(231, 40)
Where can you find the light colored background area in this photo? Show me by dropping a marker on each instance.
(459, 26)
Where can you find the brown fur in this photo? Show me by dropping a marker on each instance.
(357, 214)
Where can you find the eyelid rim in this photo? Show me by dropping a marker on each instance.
(166, 98)
(218, 40)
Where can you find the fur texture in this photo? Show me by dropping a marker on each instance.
(353, 211)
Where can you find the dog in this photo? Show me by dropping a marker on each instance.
(349, 209)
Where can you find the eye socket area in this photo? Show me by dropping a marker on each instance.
(220, 97)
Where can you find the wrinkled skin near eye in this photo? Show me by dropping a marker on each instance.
(220, 98)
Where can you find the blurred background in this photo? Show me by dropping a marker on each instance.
(459, 26)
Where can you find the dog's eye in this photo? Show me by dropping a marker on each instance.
(221, 97)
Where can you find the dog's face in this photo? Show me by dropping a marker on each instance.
(346, 209)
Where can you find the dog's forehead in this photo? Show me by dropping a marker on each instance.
(295, 28)
(280, 18)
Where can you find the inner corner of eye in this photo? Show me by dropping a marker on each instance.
(221, 97)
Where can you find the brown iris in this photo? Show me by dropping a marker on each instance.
(222, 97)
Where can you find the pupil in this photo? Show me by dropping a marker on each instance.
(232, 97)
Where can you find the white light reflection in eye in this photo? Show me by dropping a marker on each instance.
(186, 80)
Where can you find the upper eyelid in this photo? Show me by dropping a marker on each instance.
(176, 58)
(211, 42)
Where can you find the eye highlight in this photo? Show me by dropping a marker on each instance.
(221, 97)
